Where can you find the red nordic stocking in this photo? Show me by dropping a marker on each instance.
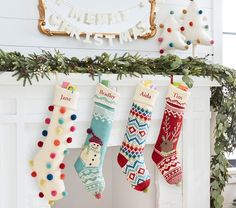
(164, 154)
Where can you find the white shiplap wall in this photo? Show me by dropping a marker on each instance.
(19, 19)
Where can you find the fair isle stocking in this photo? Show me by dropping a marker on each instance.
(47, 164)
(164, 154)
(131, 158)
(89, 164)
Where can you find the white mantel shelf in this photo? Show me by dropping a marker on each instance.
(22, 112)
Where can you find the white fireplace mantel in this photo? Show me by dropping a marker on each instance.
(22, 112)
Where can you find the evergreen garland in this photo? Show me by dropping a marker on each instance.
(223, 100)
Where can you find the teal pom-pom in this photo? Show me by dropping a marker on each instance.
(48, 165)
(61, 120)
(64, 193)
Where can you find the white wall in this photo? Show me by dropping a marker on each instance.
(19, 19)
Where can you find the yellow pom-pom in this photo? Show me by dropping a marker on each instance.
(147, 83)
(42, 182)
(59, 131)
(31, 163)
(51, 203)
(145, 190)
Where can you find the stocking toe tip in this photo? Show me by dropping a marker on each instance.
(143, 186)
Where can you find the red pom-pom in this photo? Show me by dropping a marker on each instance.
(51, 108)
(62, 176)
(89, 131)
(62, 110)
(62, 166)
(190, 24)
(57, 142)
(182, 28)
(69, 140)
(161, 51)
(41, 195)
(40, 144)
(212, 42)
(33, 174)
(47, 121)
(169, 30)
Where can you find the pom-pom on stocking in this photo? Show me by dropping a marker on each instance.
(48, 164)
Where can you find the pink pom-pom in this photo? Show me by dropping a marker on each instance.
(212, 42)
(72, 128)
(54, 193)
(89, 131)
(47, 121)
(160, 39)
(98, 196)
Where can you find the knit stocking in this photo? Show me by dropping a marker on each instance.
(131, 158)
(164, 154)
(89, 164)
(48, 164)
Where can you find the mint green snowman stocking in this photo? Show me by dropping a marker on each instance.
(89, 164)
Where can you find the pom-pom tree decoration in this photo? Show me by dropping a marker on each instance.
(171, 37)
(196, 27)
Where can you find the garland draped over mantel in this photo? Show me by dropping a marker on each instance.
(223, 100)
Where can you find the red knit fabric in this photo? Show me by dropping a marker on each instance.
(164, 154)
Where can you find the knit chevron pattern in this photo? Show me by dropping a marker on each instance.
(131, 157)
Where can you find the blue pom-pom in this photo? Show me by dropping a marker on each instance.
(189, 42)
(45, 133)
(73, 117)
(49, 177)
(171, 45)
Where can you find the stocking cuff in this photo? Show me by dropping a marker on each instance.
(65, 98)
(145, 95)
(177, 96)
(106, 96)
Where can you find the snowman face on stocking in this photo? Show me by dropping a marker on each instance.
(95, 146)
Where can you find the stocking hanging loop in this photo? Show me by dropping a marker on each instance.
(171, 79)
